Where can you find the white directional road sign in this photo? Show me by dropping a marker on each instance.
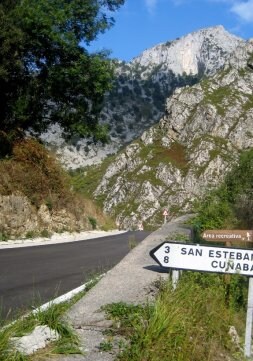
(204, 258)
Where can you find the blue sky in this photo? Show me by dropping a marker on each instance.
(141, 24)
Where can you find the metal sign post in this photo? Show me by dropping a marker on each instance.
(249, 318)
(184, 256)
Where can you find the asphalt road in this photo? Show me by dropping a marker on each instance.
(31, 276)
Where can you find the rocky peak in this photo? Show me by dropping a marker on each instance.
(204, 51)
(141, 87)
(190, 150)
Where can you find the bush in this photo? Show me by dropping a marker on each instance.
(93, 222)
(34, 172)
(3, 237)
(231, 205)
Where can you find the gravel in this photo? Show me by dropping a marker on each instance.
(131, 281)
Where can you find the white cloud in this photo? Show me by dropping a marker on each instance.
(244, 10)
(151, 4)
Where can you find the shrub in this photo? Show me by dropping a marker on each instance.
(93, 222)
(231, 205)
(34, 172)
(3, 237)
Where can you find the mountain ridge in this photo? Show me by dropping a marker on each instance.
(193, 45)
(189, 152)
(137, 99)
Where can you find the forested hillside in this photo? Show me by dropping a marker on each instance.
(46, 76)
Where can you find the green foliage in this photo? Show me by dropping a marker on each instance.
(86, 180)
(45, 233)
(237, 291)
(30, 234)
(3, 237)
(156, 153)
(52, 317)
(240, 180)
(220, 97)
(240, 185)
(132, 243)
(105, 346)
(68, 342)
(217, 96)
(126, 315)
(185, 324)
(249, 103)
(45, 71)
(232, 203)
(214, 210)
(93, 222)
(5, 354)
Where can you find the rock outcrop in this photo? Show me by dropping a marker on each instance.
(141, 87)
(19, 218)
(200, 137)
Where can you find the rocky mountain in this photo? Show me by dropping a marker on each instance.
(141, 87)
(174, 163)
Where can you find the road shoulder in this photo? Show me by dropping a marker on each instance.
(131, 281)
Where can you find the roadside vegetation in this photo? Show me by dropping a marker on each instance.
(68, 342)
(189, 323)
(230, 206)
(204, 317)
(32, 171)
(46, 80)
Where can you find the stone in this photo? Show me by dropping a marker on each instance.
(38, 339)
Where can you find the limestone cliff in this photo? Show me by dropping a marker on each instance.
(189, 151)
(141, 87)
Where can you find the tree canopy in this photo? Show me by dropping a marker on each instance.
(46, 73)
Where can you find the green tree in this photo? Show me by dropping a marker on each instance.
(46, 73)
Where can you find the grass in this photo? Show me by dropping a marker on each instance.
(67, 343)
(125, 316)
(86, 180)
(178, 236)
(155, 154)
(106, 346)
(52, 317)
(190, 323)
(222, 97)
(132, 243)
